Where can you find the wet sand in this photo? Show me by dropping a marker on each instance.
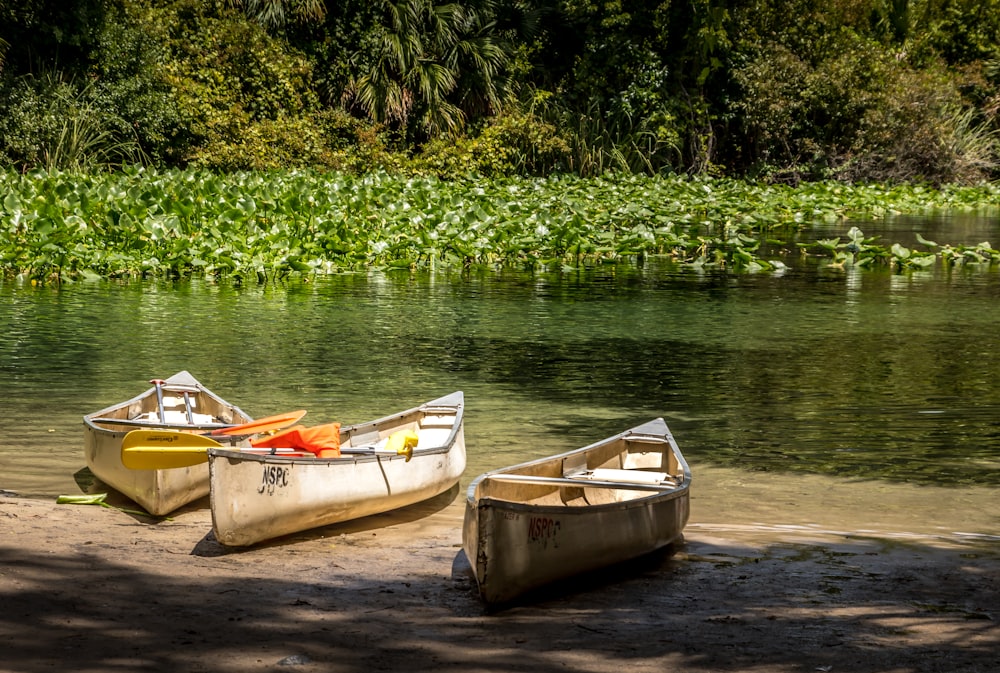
(92, 589)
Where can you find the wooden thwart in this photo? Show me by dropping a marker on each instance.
(145, 423)
(630, 476)
(581, 482)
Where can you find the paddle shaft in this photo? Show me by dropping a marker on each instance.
(165, 449)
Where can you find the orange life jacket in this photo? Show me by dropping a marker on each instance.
(323, 440)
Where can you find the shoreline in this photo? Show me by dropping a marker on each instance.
(93, 589)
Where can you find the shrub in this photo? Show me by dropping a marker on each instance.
(54, 123)
(858, 113)
(242, 94)
(511, 144)
(354, 145)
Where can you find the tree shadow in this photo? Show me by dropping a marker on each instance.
(864, 606)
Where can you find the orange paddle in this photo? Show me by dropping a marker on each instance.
(262, 425)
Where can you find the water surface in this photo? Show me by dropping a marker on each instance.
(861, 380)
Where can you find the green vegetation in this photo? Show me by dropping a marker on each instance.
(258, 138)
(100, 500)
(60, 226)
(776, 90)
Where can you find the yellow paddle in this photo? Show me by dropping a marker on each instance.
(165, 449)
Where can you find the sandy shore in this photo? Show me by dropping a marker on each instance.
(92, 589)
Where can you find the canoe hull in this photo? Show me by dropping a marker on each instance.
(521, 536)
(159, 492)
(260, 497)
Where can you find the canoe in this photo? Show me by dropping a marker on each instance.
(159, 492)
(535, 523)
(257, 497)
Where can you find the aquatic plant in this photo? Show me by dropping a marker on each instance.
(260, 226)
(860, 251)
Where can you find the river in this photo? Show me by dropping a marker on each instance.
(819, 397)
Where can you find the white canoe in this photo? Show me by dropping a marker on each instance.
(259, 497)
(532, 524)
(159, 492)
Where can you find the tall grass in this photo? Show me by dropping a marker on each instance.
(86, 140)
(57, 123)
(975, 146)
(604, 141)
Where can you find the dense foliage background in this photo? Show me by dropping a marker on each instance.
(781, 90)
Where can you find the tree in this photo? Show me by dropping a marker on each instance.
(276, 13)
(432, 64)
(50, 34)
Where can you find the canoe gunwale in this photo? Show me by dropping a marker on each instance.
(434, 407)
(579, 482)
(360, 457)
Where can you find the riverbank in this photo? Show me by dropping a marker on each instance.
(94, 589)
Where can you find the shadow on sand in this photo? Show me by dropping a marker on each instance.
(859, 605)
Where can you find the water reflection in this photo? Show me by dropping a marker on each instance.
(951, 228)
(839, 372)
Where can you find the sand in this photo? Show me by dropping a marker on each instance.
(93, 589)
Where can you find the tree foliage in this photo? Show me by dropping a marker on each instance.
(278, 13)
(432, 64)
(776, 89)
(854, 91)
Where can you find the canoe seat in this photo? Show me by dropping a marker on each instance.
(180, 388)
(626, 476)
(438, 421)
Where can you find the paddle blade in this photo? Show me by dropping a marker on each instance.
(164, 450)
(262, 425)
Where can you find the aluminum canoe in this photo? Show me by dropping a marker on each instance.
(535, 523)
(258, 497)
(159, 492)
